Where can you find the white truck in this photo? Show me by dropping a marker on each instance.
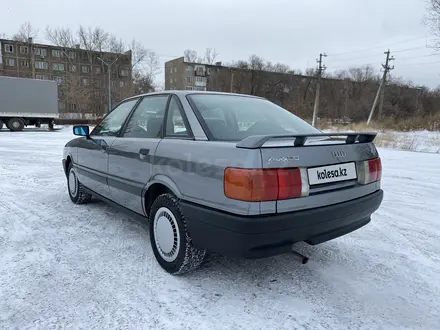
(25, 102)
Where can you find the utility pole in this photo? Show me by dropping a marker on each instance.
(417, 97)
(232, 80)
(109, 81)
(321, 69)
(381, 91)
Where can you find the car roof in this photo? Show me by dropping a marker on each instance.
(188, 92)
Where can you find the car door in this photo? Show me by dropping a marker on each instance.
(131, 156)
(93, 152)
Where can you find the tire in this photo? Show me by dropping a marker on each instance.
(75, 188)
(15, 124)
(50, 125)
(177, 255)
(1, 124)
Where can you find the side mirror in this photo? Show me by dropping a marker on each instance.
(81, 130)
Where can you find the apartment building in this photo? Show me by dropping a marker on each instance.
(81, 74)
(183, 75)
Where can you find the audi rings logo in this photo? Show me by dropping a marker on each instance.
(339, 154)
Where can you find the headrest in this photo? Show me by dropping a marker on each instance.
(154, 126)
(216, 126)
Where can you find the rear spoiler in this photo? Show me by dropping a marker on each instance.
(257, 141)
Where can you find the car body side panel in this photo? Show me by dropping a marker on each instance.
(166, 181)
(92, 163)
(197, 168)
(71, 150)
(129, 172)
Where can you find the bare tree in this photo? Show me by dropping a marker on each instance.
(256, 63)
(277, 67)
(152, 64)
(432, 20)
(159, 87)
(362, 74)
(210, 55)
(138, 52)
(142, 83)
(256, 66)
(115, 45)
(25, 32)
(145, 63)
(77, 94)
(241, 64)
(93, 39)
(61, 37)
(310, 72)
(190, 55)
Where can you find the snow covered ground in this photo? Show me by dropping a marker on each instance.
(64, 266)
(422, 141)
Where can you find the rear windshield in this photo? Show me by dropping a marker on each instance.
(233, 118)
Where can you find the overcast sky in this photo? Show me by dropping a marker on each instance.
(289, 31)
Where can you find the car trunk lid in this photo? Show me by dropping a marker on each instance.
(333, 167)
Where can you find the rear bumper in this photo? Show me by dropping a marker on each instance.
(262, 236)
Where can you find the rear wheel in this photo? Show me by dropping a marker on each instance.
(170, 239)
(1, 124)
(75, 188)
(15, 124)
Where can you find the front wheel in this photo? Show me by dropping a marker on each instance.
(170, 239)
(76, 189)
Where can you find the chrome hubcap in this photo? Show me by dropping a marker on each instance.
(72, 183)
(166, 234)
(15, 124)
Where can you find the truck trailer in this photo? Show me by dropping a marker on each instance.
(25, 102)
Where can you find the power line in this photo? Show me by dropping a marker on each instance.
(413, 57)
(407, 49)
(355, 66)
(377, 54)
(375, 63)
(353, 58)
(418, 63)
(379, 46)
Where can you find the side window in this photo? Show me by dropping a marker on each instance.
(112, 123)
(175, 124)
(147, 119)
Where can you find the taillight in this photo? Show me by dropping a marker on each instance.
(369, 171)
(250, 185)
(257, 185)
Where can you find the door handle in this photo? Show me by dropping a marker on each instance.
(143, 153)
(104, 148)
